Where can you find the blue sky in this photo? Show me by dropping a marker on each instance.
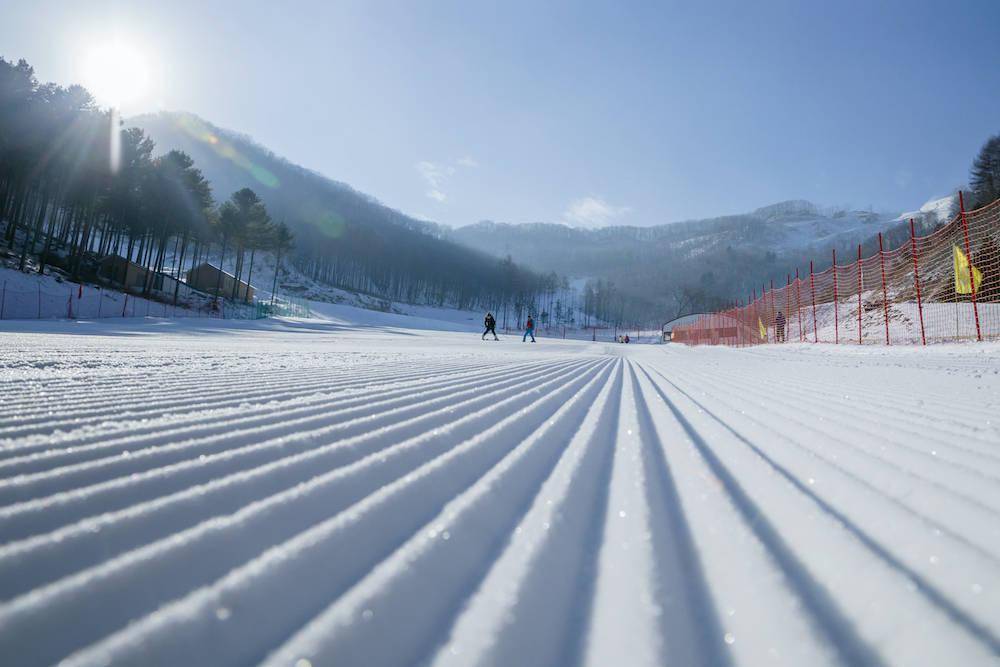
(584, 112)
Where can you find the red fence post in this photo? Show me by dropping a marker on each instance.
(788, 289)
(747, 330)
(754, 335)
(885, 293)
(859, 294)
(770, 322)
(736, 321)
(812, 288)
(798, 304)
(836, 303)
(968, 256)
(761, 311)
(916, 281)
(755, 326)
(741, 315)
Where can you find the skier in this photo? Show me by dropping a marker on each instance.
(779, 327)
(626, 339)
(491, 326)
(529, 330)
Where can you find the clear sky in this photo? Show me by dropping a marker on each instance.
(591, 113)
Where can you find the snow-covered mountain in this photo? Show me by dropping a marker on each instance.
(791, 226)
(721, 257)
(802, 225)
(934, 210)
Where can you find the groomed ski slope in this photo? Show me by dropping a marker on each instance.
(321, 493)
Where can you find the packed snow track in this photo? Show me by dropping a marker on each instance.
(314, 493)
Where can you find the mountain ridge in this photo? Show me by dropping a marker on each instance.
(344, 237)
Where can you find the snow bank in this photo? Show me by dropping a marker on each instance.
(298, 491)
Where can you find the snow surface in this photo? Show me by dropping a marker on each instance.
(934, 210)
(370, 489)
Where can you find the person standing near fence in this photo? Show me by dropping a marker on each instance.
(779, 327)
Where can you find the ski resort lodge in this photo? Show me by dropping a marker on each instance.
(121, 271)
(132, 278)
(205, 278)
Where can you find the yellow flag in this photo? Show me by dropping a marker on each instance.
(962, 273)
(763, 329)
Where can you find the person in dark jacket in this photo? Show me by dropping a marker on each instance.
(529, 330)
(491, 326)
(779, 327)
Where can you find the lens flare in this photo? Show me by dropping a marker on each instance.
(116, 142)
(197, 129)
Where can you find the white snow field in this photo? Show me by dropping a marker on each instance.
(322, 493)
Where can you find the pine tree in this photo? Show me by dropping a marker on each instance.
(985, 176)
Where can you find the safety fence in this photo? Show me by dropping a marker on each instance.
(289, 306)
(79, 302)
(936, 288)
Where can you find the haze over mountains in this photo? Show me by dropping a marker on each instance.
(231, 161)
(785, 226)
(665, 267)
(343, 238)
(697, 264)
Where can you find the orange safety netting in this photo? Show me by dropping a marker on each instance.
(936, 288)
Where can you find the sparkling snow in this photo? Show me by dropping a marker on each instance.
(378, 489)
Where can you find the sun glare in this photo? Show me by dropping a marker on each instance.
(116, 73)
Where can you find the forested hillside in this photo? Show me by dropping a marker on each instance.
(75, 188)
(344, 237)
(168, 192)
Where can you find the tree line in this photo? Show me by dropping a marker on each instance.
(77, 187)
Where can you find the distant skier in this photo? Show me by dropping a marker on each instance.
(529, 330)
(626, 339)
(491, 326)
(779, 327)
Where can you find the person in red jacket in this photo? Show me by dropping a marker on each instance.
(529, 330)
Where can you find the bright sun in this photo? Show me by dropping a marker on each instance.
(116, 74)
